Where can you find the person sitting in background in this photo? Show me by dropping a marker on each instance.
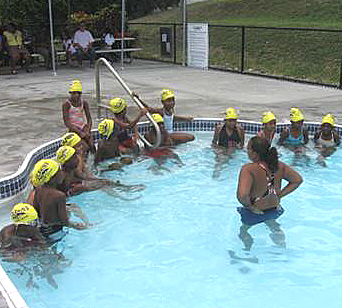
(77, 117)
(83, 42)
(70, 50)
(22, 235)
(268, 121)
(228, 137)
(296, 136)
(167, 112)
(50, 202)
(326, 139)
(42, 45)
(127, 144)
(16, 49)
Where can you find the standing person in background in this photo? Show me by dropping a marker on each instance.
(16, 49)
(77, 117)
(169, 117)
(70, 50)
(268, 126)
(83, 42)
(260, 190)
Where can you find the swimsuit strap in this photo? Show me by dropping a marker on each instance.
(270, 185)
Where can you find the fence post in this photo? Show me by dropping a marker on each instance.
(174, 43)
(340, 79)
(242, 65)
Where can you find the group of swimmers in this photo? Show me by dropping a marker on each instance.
(40, 221)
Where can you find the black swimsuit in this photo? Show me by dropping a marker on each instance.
(226, 141)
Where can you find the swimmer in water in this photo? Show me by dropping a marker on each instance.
(163, 153)
(22, 235)
(260, 190)
(168, 114)
(268, 130)
(326, 139)
(228, 137)
(296, 136)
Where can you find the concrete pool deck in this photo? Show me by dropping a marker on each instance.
(31, 113)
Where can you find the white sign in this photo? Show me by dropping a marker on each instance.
(198, 45)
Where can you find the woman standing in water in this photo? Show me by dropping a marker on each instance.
(260, 190)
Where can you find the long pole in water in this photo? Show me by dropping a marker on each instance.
(52, 43)
(122, 31)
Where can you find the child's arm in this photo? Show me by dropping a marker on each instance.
(88, 115)
(182, 118)
(284, 134)
(149, 109)
(130, 124)
(216, 135)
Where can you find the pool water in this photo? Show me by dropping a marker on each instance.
(177, 245)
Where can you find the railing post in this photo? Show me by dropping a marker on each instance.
(242, 65)
(340, 78)
(174, 44)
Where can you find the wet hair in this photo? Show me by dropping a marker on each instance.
(266, 153)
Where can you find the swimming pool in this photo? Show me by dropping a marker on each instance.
(177, 245)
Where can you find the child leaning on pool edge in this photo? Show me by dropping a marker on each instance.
(167, 112)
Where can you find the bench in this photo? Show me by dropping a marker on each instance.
(117, 50)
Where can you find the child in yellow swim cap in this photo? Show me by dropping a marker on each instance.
(22, 235)
(326, 139)
(268, 126)
(168, 114)
(77, 117)
(122, 124)
(296, 136)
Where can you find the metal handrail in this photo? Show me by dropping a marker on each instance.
(135, 99)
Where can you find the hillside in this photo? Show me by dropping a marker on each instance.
(280, 13)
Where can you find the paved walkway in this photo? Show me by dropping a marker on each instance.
(31, 114)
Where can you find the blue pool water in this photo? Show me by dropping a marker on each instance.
(177, 245)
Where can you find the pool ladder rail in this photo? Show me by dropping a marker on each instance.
(128, 90)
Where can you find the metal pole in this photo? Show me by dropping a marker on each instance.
(243, 38)
(122, 31)
(184, 32)
(128, 90)
(52, 43)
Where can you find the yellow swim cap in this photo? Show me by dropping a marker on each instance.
(76, 86)
(167, 94)
(23, 213)
(106, 127)
(64, 153)
(267, 116)
(157, 118)
(328, 118)
(296, 115)
(44, 170)
(117, 104)
(71, 139)
(231, 113)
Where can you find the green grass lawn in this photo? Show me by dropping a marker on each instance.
(312, 56)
